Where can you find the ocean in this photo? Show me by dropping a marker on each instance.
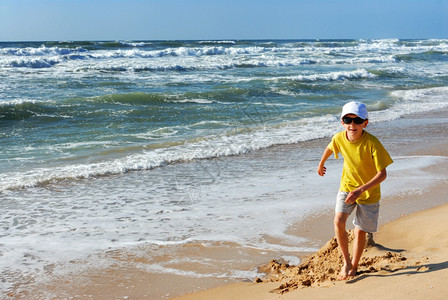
(134, 145)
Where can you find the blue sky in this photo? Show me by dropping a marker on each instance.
(25, 20)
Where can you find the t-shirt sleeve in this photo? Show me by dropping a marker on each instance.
(333, 146)
(381, 157)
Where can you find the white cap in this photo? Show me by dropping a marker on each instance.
(355, 108)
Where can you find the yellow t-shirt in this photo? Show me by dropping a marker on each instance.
(363, 159)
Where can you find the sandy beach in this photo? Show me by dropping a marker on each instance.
(409, 258)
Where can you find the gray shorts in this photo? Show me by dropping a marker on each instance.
(366, 217)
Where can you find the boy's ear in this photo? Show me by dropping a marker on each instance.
(366, 122)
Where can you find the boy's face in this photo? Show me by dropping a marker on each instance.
(353, 130)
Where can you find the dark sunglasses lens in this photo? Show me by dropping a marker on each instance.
(358, 120)
(348, 120)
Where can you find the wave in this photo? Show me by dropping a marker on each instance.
(42, 57)
(137, 98)
(22, 109)
(41, 51)
(395, 72)
(181, 52)
(122, 44)
(336, 76)
(217, 42)
(424, 56)
(199, 66)
(37, 63)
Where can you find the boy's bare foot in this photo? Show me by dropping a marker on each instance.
(352, 272)
(344, 274)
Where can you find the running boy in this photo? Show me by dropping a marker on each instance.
(365, 162)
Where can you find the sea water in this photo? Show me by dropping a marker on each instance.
(122, 144)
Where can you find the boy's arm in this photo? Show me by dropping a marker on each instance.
(356, 193)
(321, 168)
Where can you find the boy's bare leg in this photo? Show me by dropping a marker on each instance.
(340, 220)
(358, 248)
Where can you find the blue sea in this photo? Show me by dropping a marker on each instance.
(130, 144)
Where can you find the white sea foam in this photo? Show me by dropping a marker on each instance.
(15, 102)
(415, 101)
(134, 44)
(333, 76)
(199, 101)
(40, 51)
(218, 42)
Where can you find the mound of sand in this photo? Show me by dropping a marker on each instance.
(322, 268)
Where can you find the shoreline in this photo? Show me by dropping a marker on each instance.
(124, 281)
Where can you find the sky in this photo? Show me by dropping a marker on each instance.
(75, 20)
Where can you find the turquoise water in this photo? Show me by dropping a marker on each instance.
(117, 144)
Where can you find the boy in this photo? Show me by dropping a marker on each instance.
(365, 162)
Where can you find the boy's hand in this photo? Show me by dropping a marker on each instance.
(356, 193)
(321, 170)
(353, 196)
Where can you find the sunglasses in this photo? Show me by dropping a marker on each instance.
(348, 120)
